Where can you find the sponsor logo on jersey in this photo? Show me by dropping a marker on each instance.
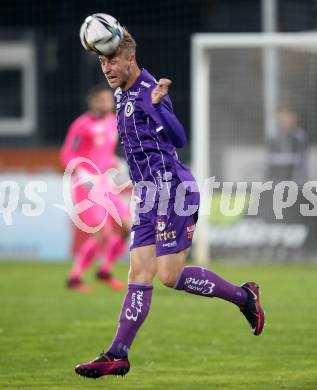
(128, 111)
(190, 231)
(98, 128)
(160, 225)
(171, 235)
(169, 244)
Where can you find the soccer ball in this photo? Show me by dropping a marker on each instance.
(101, 34)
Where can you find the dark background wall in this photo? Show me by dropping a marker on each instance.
(162, 30)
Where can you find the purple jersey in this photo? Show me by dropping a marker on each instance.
(150, 155)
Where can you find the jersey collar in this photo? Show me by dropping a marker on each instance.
(143, 77)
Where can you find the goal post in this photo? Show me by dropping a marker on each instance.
(266, 61)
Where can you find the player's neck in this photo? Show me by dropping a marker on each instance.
(98, 114)
(133, 78)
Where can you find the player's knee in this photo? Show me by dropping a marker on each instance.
(140, 276)
(135, 275)
(167, 277)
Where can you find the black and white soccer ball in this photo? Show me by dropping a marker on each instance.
(101, 34)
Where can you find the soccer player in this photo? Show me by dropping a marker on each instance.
(161, 235)
(94, 136)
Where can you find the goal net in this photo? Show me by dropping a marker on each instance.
(245, 88)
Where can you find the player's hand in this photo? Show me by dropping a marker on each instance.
(160, 90)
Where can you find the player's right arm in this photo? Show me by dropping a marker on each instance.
(111, 141)
(73, 142)
(67, 151)
(77, 143)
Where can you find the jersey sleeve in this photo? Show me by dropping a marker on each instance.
(163, 115)
(70, 145)
(73, 141)
(112, 140)
(171, 125)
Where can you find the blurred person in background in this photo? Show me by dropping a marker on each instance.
(288, 149)
(94, 136)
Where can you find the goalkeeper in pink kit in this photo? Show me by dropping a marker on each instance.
(94, 137)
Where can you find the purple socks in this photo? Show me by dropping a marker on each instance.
(199, 281)
(136, 305)
(135, 308)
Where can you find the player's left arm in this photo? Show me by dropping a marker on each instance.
(174, 129)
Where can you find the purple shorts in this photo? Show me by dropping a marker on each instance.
(171, 233)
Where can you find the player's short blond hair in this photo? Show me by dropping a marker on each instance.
(127, 42)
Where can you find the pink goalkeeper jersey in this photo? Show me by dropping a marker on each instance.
(93, 138)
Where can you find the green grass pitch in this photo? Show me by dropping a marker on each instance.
(187, 342)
